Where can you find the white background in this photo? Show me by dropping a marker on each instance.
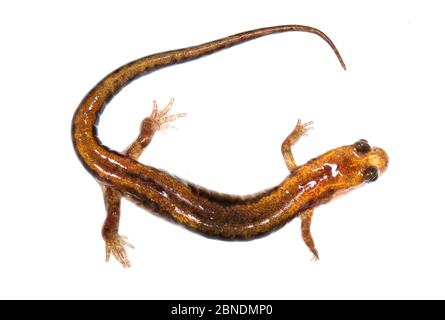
(385, 240)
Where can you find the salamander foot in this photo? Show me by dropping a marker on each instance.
(159, 118)
(116, 247)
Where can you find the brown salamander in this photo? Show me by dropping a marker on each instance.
(207, 212)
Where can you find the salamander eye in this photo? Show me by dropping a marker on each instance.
(370, 174)
(362, 146)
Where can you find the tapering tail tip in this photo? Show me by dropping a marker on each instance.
(340, 59)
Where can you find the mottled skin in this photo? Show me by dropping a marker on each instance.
(204, 211)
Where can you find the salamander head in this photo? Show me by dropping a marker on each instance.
(372, 161)
(355, 164)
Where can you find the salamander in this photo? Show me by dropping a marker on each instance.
(213, 214)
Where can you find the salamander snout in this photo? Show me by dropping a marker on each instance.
(378, 158)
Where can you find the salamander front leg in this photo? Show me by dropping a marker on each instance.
(114, 243)
(299, 131)
(306, 219)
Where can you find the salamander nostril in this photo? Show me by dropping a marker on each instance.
(371, 174)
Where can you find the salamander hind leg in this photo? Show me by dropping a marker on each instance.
(114, 243)
(306, 219)
(149, 126)
(300, 130)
